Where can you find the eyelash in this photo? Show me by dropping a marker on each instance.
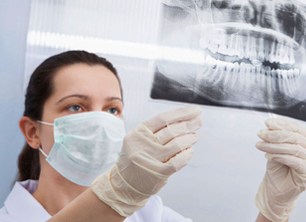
(74, 105)
(117, 109)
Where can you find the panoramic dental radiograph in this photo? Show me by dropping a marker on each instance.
(237, 53)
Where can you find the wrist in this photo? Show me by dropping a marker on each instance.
(113, 190)
(270, 207)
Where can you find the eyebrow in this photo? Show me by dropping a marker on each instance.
(84, 97)
(109, 99)
(74, 95)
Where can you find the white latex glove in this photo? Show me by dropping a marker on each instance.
(285, 178)
(151, 152)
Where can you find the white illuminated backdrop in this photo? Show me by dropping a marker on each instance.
(222, 178)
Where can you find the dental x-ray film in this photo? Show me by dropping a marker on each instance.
(237, 53)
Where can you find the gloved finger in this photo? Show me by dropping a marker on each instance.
(282, 148)
(282, 124)
(298, 164)
(177, 129)
(278, 136)
(178, 161)
(164, 153)
(182, 114)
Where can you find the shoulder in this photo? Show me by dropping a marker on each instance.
(5, 217)
(20, 205)
(155, 211)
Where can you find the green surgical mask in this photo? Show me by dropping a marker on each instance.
(85, 145)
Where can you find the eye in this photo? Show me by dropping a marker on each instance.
(75, 108)
(113, 111)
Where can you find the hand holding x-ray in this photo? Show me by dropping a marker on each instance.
(285, 178)
(151, 153)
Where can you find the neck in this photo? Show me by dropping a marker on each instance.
(54, 192)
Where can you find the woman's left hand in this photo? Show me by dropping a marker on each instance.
(285, 145)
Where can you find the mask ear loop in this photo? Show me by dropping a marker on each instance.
(49, 124)
(40, 149)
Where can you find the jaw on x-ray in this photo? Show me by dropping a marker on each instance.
(252, 54)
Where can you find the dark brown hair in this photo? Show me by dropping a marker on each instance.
(40, 88)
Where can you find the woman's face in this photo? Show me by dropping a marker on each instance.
(80, 88)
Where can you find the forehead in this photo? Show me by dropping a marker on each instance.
(83, 78)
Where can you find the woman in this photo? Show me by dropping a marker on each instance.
(70, 142)
(64, 100)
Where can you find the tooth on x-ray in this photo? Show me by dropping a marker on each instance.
(253, 51)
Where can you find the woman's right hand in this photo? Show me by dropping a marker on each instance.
(285, 178)
(151, 152)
